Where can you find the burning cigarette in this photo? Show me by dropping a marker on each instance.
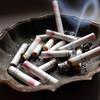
(85, 56)
(23, 77)
(29, 51)
(48, 45)
(58, 45)
(79, 41)
(37, 50)
(54, 34)
(40, 73)
(18, 55)
(57, 16)
(51, 54)
(50, 64)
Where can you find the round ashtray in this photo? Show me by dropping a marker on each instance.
(12, 37)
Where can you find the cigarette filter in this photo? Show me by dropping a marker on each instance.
(37, 50)
(29, 51)
(48, 45)
(40, 73)
(18, 55)
(79, 42)
(57, 45)
(23, 77)
(57, 35)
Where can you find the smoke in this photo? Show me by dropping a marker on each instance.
(88, 9)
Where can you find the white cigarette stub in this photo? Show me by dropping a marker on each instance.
(48, 45)
(40, 73)
(85, 56)
(51, 54)
(50, 64)
(37, 50)
(19, 53)
(58, 45)
(43, 36)
(29, 51)
(57, 16)
(64, 64)
(23, 77)
(57, 35)
(79, 41)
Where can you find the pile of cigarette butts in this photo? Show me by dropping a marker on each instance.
(58, 49)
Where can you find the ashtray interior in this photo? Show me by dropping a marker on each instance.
(25, 31)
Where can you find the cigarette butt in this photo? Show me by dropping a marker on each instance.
(85, 56)
(37, 50)
(51, 54)
(29, 51)
(57, 35)
(43, 36)
(50, 64)
(79, 52)
(57, 45)
(79, 42)
(57, 16)
(40, 73)
(18, 55)
(23, 77)
(48, 45)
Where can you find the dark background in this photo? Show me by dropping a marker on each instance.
(12, 11)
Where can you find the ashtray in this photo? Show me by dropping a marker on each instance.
(12, 37)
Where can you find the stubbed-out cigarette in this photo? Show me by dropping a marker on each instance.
(48, 45)
(85, 56)
(29, 51)
(58, 45)
(40, 73)
(43, 36)
(79, 41)
(18, 55)
(79, 52)
(64, 64)
(57, 35)
(51, 54)
(23, 77)
(50, 64)
(57, 16)
(37, 50)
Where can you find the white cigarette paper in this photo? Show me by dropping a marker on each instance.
(37, 50)
(48, 45)
(18, 55)
(29, 51)
(40, 73)
(23, 77)
(57, 35)
(85, 56)
(57, 16)
(43, 36)
(51, 54)
(50, 64)
(79, 42)
(58, 45)
(79, 52)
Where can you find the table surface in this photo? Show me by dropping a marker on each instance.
(16, 10)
